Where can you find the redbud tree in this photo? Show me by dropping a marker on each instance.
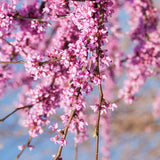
(65, 58)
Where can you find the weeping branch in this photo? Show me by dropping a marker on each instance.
(97, 71)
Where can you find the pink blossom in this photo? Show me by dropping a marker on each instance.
(68, 50)
(54, 127)
(30, 147)
(20, 147)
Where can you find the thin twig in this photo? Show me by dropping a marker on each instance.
(5, 62)
(100, 22)
(27, 144)
(65, 134)
(17, 16)
(76, 150)
(39, 63)
(50, 61)
(7, 42)
(3, 119)
(98, 120)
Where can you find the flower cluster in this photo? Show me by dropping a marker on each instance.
(61, 44)
(5, 19)
(144, 60)
(45, 100)
(30, 18)
(105, 107)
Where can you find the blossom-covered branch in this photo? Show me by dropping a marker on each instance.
(70, 51)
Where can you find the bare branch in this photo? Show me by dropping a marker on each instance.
(7, 42)
(50, 61)
(5, 62)
(76, 150)
(3, 119)
(39, 63)
(26, 145)
(17, 16)
(98, 120)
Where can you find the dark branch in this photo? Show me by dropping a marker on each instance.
(64, 135)
(76, 150)
(98, 51)
(28, 106)
(5, 62)
(26, 145)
